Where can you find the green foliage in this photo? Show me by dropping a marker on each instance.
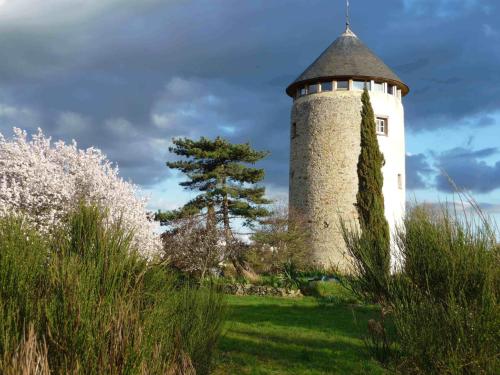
(219, 171)
(327, 292)
(280, 245)
(372, 258)
(367, 280)
(443, 300)
(84, 302)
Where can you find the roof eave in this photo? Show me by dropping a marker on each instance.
(292, 88)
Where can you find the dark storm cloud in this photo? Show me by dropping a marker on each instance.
(468, 170)
(418, 171)
(456, 63)
(127, 76)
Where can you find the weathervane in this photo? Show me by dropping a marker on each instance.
(347, 16)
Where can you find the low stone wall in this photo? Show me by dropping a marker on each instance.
(261, 290)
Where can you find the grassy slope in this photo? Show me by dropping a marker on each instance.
(267, 335)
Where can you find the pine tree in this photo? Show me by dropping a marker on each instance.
(370, 200)
(227, 184)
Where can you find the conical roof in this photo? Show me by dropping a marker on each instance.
(347, 57)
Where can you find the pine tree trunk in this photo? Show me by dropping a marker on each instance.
(242, 267)
(225, 218)
(211, 219)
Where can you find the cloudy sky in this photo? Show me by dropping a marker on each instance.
(128, 75)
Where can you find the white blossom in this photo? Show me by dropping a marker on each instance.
(44, 181)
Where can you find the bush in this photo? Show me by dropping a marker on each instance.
(443, 300)
(83, 301)
(45, 181)
(191, 247)
(371, 281)
(280, 245)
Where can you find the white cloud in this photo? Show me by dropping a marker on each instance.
(490, 208)
(71, 123)
(21, 117)
(36, 12)
(168, 194)
(195, 107)
(489, 31)
(228, 129)
(120, 127)
(163, 121)
(441, 8)
(186, 105)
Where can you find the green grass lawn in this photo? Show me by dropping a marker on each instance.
(267, 335)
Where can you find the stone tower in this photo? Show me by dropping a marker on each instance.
(325, 141)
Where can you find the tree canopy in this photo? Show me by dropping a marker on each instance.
(223, 174)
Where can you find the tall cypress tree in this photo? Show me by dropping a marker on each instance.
(370, 200)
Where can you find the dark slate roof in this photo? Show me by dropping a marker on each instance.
(347, 57)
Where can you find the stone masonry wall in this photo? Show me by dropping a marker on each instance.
(325, 146)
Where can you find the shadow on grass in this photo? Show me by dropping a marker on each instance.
(337, 358)
(296, 338)
(339, 319)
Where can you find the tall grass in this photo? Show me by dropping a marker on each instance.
(443, 300)
(83, 302)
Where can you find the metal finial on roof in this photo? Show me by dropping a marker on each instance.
(347, 16)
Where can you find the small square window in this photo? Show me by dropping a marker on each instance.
(379, 87)
(342, 85)
(294, 130)
(313, 89)
(391, 89)
(381, 126)
(327, 86)
(302, 91)
(360, 85)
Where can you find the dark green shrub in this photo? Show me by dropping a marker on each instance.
(96, 307)
(368, 245)
(443, 299)
(374, 230)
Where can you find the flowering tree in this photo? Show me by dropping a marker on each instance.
(44, 181)
(193, 247)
